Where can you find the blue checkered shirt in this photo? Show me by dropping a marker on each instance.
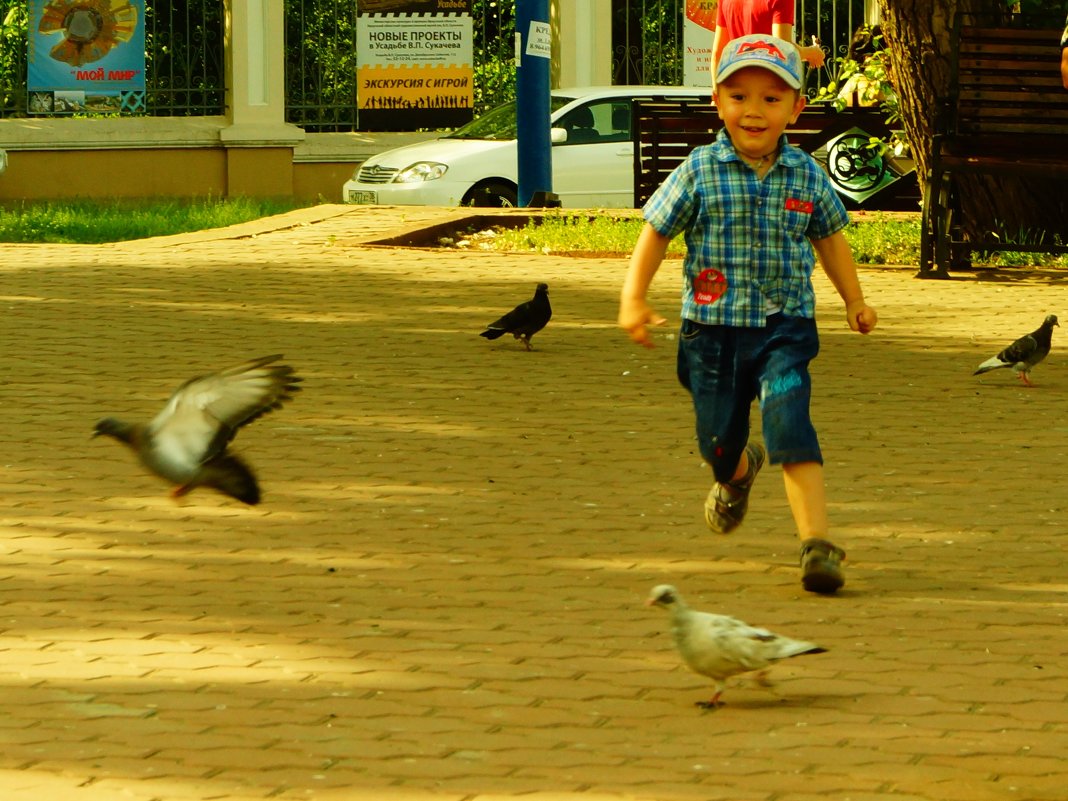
(747, 240)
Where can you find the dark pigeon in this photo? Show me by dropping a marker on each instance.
(186, 444)
(1025, 352)
(525, 320)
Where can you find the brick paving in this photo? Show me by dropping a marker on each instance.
(441, 597)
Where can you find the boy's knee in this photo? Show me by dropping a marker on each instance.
(721, 457)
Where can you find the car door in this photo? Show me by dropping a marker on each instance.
(594, 167)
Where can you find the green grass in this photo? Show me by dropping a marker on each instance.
(96, 222)
(878, 239)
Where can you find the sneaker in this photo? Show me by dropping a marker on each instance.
(821, 566)
(726, 504)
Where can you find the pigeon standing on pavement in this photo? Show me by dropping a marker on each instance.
(1025, 352)
(186, 443)
(525, 320)
(718, 646)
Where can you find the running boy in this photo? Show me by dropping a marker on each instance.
(749, 204)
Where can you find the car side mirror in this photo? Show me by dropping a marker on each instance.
(557, 135)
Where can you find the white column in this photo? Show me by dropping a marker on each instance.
(255, 74)
(585, 42)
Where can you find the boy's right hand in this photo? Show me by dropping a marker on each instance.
(634, 317)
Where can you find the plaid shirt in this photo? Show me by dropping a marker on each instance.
(747, 240)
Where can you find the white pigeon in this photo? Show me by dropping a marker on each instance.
(1025, 352)
(719, 646)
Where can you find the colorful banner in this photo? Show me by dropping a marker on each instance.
(86, 56)
(414, 64)
(699, 28)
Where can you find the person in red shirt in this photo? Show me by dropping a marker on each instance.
(1064, 56)
(742, 17)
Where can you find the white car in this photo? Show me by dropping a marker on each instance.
(476, 165)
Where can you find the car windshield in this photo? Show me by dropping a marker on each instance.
(499, 122)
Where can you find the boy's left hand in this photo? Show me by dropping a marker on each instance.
(861, 317)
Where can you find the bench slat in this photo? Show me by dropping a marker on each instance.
(1006, 115)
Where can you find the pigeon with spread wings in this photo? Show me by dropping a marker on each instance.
(187, 442)
(525, 320)
(1025, 352)
(719, 646)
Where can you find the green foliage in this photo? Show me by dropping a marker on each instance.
(882, 239)
(868, 81)
(93, 222)
(879, 239)
(12, 56)
(321, 63)
(662, 45)
(565, 232)
(494, 53)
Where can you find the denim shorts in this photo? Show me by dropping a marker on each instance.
(725, 368)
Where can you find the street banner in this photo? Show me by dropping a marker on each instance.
(86, 57)
(414, 64)
(699, 28)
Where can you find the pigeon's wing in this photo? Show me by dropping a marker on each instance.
(1023, 349)
(515, 320)
(231, 476)
(721, 646)
(203, 415)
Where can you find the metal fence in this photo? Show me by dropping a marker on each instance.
(185, 74)
(320, 45)
(321, 85)
(647, 38)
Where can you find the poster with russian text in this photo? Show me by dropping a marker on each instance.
(698, 32)
(86, 57)
(414, 64)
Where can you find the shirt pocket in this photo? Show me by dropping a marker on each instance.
(797, 213)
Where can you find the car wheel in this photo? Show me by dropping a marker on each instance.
(493, 194)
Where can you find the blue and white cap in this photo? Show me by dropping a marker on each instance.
(761, 50)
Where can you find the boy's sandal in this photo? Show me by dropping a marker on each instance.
(821, 566)
(726, 504)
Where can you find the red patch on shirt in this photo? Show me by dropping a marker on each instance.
(793, 204)
(709, 287)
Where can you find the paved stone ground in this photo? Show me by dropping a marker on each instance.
(441, 597)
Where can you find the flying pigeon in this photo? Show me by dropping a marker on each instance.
(718, 646)
(186, 443)
(525, 320)
(1025, 352)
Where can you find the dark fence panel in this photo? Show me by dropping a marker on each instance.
(185, 70)
(321, 64)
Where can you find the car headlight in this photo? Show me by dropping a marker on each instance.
(421, 171)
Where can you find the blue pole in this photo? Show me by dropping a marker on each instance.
(534, 43)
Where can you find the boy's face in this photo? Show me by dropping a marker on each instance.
(756, 105)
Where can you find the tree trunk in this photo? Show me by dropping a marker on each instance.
(918, 34)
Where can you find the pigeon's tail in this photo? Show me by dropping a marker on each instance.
(789, 648)
(230, 476)
(993, 363)
(493, 333)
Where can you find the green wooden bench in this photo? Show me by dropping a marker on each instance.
(1005, 114)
